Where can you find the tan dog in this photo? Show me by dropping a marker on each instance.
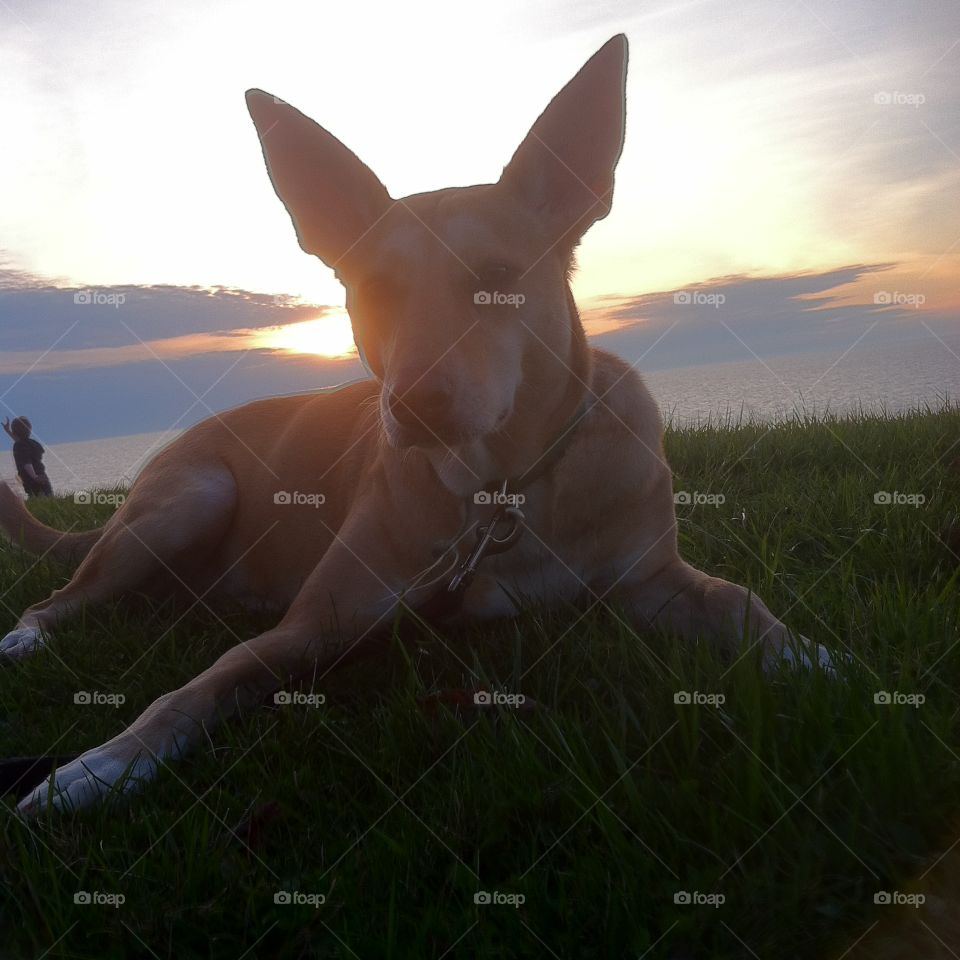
(482, 377)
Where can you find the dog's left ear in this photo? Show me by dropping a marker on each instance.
(564, 167)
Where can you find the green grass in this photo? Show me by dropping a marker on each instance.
(795, 800)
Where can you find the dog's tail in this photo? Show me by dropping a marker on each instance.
(23, 528)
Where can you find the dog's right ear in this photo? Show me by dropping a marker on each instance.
(331, 196)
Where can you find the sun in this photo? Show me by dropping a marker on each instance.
(327, 336)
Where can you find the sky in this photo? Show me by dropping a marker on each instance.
(790, 183)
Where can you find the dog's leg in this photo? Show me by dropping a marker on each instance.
(164, 517)
(687, 601)
(345, 596)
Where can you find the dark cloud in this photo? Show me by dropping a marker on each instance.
(741, 318)
(35, 314)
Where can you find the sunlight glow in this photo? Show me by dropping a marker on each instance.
(327, 336)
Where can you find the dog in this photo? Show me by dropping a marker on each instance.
(406, 488)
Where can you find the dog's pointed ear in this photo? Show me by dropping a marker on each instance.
(332, 197)
(564, 167)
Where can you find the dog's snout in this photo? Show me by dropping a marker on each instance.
(420, 405)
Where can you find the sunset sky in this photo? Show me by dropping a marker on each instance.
(802, 158)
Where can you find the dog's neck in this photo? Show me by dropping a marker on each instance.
(542, 410)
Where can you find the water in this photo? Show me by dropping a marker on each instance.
(889, 379)
(880, 379)
(92, 464)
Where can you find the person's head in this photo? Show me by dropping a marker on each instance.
(21, 428)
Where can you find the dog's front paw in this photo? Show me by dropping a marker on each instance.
(114, 769)
(21, 643)
(801, 653)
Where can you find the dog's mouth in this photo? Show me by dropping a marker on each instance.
(433, 435)
(426, 437)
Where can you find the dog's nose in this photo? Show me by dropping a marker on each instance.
(420, 406)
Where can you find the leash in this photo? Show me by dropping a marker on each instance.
(489, 542)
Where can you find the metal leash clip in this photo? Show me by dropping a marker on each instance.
(488, 542)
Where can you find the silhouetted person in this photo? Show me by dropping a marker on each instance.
(28, 456)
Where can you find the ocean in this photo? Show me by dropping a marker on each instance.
(888, 379)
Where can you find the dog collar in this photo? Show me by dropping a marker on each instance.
(550, 456)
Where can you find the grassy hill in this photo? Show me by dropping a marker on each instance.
(603, 820)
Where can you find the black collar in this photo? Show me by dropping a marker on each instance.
(551, 455)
